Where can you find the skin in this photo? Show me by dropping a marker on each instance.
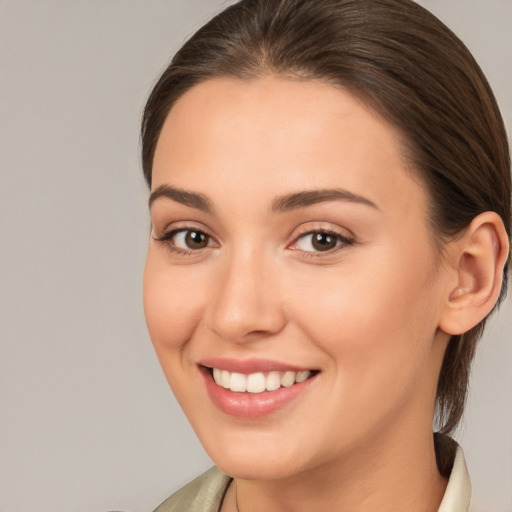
(366, 314)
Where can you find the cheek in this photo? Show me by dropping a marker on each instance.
(172, 304)
(378, 337)
(376, 320)
(173, 311)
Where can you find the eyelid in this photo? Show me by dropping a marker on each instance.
(344, 239)
(322, 227)
(165, 238)
(184, 225)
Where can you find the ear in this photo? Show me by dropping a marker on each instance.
(477, 259)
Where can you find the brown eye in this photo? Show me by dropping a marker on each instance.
(180, 240)
(195, 239)
(323, 241)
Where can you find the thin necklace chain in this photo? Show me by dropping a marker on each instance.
(236, 497)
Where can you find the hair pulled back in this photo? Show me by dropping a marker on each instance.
(406, 65)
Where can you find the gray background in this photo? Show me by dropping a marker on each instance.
(87, 423)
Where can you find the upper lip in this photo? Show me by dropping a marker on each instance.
(252, 365)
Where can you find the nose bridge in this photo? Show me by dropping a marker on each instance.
(247, 299)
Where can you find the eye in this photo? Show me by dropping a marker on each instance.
(191, 239)
(320, 241)
(186, 240)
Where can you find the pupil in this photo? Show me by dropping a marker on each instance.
(196, 240)
(323, 241)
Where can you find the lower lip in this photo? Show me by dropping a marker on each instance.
(252, 405)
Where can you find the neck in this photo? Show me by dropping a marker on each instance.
(390, 478)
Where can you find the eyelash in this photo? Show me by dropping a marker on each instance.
(344, 241)
(166, 240)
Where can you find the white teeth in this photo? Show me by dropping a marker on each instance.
(288, 379)
(302, 376)
(238, 382)
(258, 382)
(273, 381)
(225, 378)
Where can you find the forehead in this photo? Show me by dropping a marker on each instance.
(275, 133)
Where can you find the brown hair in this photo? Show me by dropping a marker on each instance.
(410, 68)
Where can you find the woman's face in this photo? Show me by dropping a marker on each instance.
(289, 242)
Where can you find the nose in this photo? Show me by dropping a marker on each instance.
(246, 305)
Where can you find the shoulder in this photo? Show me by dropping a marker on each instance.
(203, 494)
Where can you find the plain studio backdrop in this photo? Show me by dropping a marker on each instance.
(87, 422)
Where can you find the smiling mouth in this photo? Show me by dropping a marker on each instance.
(252, 389)
(259, 382)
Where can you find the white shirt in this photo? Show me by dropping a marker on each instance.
(458, 492)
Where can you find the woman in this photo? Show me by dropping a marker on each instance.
(330, 204)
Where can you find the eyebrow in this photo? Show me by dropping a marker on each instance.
(280, 204)
(312, 197)
(191, 199)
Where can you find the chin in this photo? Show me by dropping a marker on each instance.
(256, 468)
(256, 455)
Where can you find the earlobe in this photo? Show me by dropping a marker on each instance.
(478, 258)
